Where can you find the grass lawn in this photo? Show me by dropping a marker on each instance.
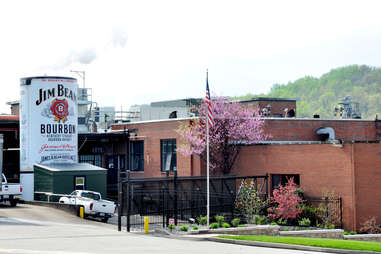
(316, 242)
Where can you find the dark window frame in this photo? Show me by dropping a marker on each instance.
(137, 155)
(93, 159)
(168, 152)
(118, 164)
(281, 179)
(84, 182)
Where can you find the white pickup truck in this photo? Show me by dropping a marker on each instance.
(10, 192)
(92, 203)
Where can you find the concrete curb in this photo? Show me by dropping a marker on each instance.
(287, 246)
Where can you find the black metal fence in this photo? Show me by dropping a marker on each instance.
(179, 198)
(330, 210)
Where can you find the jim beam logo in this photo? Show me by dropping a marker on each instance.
(60, 110)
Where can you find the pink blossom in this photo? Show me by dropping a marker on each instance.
(235, 124)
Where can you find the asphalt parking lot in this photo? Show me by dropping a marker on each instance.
(34, 229)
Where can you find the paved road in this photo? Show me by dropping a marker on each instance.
(41, 230)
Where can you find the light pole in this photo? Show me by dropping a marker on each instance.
(82, 74)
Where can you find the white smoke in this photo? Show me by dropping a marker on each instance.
(118, 36)
(87, 55)
(84, 56)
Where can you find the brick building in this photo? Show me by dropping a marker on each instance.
(272, 107)
(350, 165)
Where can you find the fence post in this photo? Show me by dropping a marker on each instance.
(167, 200)
(341, 212)
(128, 201)
(163, 205)
(197, 202)
(267, 185)
(119, 202)
(175, 195)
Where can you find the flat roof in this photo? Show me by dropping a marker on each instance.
(65, 167)
(9, 117)
(264, 118)
(100, 135)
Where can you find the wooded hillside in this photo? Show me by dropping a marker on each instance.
(321, 95)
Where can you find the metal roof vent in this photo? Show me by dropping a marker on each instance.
(327, 133)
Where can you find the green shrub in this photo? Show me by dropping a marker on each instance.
(171, 226)
(329, 226)
(352, 233)
(327, 212)
(248, 201)
(219, 220)
(184, 228)
(297, 228)
(305, 222)
(309, 212)
(195, 228)
(282, 221)
(213, 225)
(259, 220)
(286, 229)
(241, 226)
(202, 220)
(346, 233)
(235, 222)
(225, 225)
(274, 223)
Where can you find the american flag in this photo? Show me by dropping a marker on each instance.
(208, 102)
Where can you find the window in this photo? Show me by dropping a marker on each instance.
(168, 154)
(137, 156)
(282, 179)
(173, 114)
(95, 160)
(79, 183)
(115, 162)
(291, 113)
(97, 149)
(90, 195)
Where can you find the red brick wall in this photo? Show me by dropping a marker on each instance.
(277, 107)
(320, 166)
(367, 161)
(152, 132)
(305, 129)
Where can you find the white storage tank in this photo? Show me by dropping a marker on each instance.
(48, 125)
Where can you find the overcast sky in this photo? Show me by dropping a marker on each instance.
(137, 52)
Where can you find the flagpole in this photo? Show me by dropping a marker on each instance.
(207, 163)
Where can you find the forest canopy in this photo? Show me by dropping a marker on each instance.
(321, 95)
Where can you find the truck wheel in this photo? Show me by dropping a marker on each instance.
(13, 202)
(105, 219)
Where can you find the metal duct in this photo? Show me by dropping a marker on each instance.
(328, 132)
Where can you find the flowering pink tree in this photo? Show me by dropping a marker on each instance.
(235, 125)
(287, 201)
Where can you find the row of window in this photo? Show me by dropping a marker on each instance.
(167, 153)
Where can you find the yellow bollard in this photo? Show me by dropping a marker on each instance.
(146, 225)
(82, 212)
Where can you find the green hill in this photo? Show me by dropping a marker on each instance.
(321, 95)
